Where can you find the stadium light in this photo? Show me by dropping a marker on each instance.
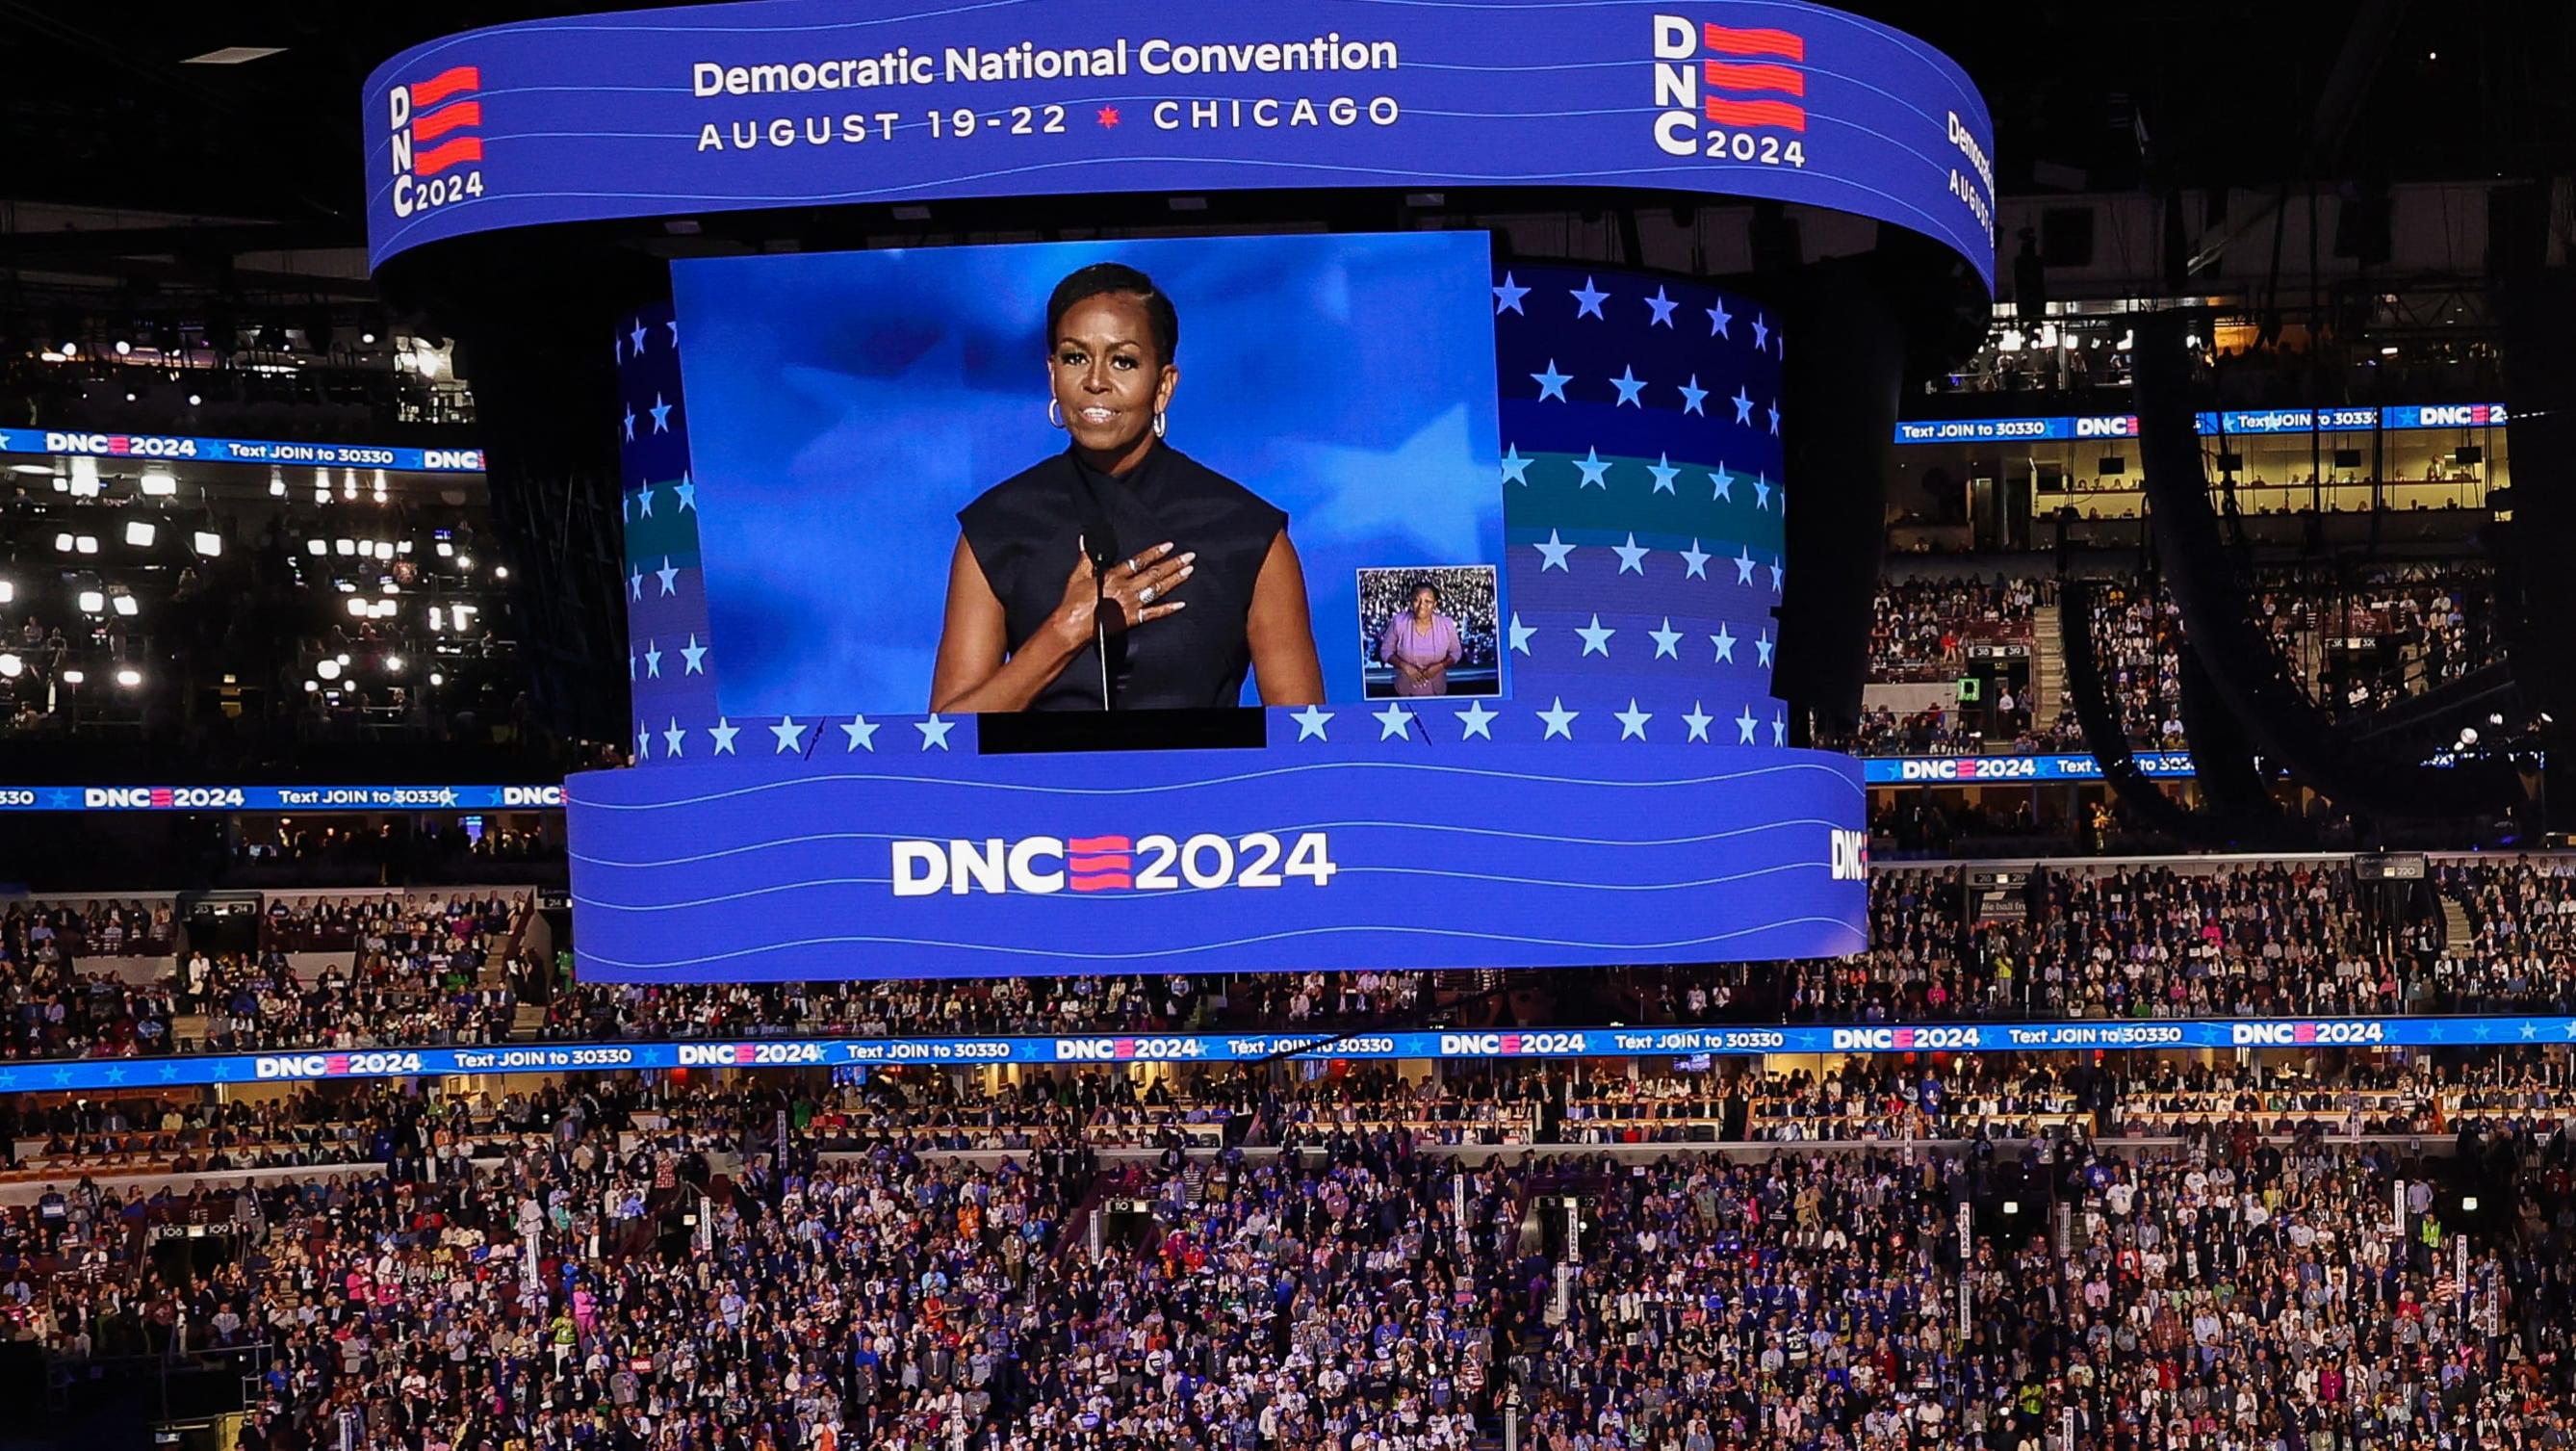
(357, 608)
(394, 664)
(159, 483)
(384, 549)
(62, 544)
(317, 547)
(446, 550)
(84, 477)
(140, 533)
(500, 571)
(465, 561)
(75, 677)
(344, 546)
(437, 679)
(86, 544)
(208, 543)
(343, 658)
(125, 605)
(348, 483)
(437, 618)
(380, 486)
(8, 591)
(124, 348)
(328, 669)
(276, 482)
(129, 678)
(311, 686)
(10, 666)
(92, 602)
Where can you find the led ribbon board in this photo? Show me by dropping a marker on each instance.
(818, 102)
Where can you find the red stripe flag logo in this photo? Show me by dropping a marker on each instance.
(1743, 103)
(436, 124)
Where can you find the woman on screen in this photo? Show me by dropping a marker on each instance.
(1196, 580)
(1421, 644)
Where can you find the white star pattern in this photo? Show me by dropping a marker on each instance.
(630, 423)
(1663, 307)
(791, 736)
(1779, 729)
(1779, 572)
(1743, 402)
(1718, 318)
(669, 575)
(661, 412)
(1721, 486)
(1551, 384)
(1515, 467)
(1394, 721)
(1475, 721)
(1521, 633)
(637, 337)
(1664, 472)
(1629, 386)
(1695, 561)
(1632, 721)
(1560, 721)
(687, 489)
(635, 585)
(1555, 550)
(644, 501)
(674, 326)
(1588, 300)
(653, 658)
(1594, 466)
(724, 731)
(1761, 493)
(1743, 566)
(1775, 418)
(934, 732)
(1697, 720)
(630, 665)
(862, 733)
(671, 739)
(643, 742)
(1632, 556)
(1596, 637)
(1762, 649)
(1310, 721)
(1507, 297)
(1744, 725)
(1725, 644)
(1761, 333)
(1693, 395)
(695, 654)
(1667, 640)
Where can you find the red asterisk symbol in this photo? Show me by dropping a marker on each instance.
(1109, 115)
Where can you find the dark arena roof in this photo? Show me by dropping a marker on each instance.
(1021, 726)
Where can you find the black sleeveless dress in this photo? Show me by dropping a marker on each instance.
(1026, 532)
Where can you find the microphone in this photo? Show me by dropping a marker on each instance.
(1101, 551)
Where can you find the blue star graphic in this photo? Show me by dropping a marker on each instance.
(1697, 720)
(674, 326)
(1311, 720)
(862, 733)
(1632, 721)
(1761, 333)
(630, 666)
(635, 584)
(1588, 300)
(1664, 472)
(1560, 721)
(653, 658)
(169, 1072)
(1693, 395)
(1744, 725)
(1761, 492)
(1596, 637)
(630, 423)
(1779, 571)
(1515, 467)
(116, 1075)
(1725, 644)
(1667, 640)
(1629, 386)
(1553, 552)
(661, 412)
(669, 575)
(671, 739)
(1663, 307)
(1394, 722)
(1779, 729)
(688, 492)
(1521, 633)
(1743, 402)
(1695, 561)
(1743, 565)
(643, 740)
(1507, 298)
(1475, 721)
(644, 500)
(1722, 488)
(1775, 417)
(1718, 318)
(1762, 649)
(724, 731)
(1632, 555)
(934, 732)
(1593, 467)
(637, 337)
(62, 800)
(8, 1078)
(62, 1075)
(1551, 384)
(695, 654)
(2530, 1029)
(791, 736)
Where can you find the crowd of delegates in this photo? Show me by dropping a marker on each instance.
(622, 1275)
(2292, 937)
(1465, 594)
(1921, 627)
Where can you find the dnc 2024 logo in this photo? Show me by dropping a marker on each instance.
(436, 130)
(1730, 94)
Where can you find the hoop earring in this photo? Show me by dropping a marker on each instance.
(1055, 413)
(1161, 422)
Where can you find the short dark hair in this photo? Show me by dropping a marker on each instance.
(1419, 585)
(1102, 279)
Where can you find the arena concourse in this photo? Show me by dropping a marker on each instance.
(460, 986)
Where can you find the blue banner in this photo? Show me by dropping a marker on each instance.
(2400, 418)
(823, 102)
(1538, 1043)
(151, 446)
(281, 798)
(1991, 770)
(1432, 833)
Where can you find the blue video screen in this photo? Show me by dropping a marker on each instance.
(855, 415)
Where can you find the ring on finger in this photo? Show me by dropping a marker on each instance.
(1146, 595)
